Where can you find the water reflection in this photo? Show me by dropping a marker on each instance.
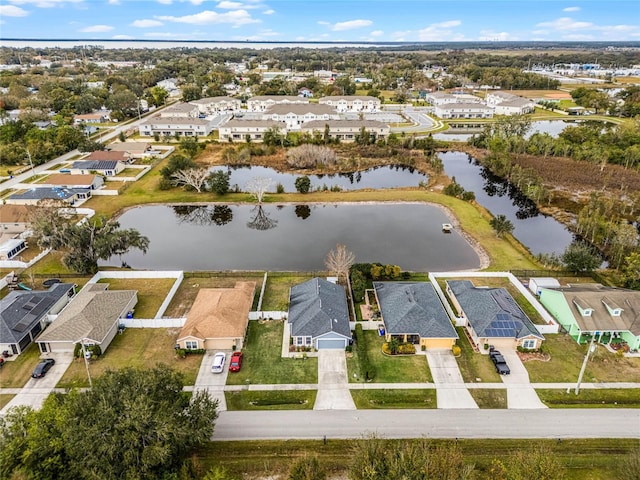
(203, 215)
(261, 219)
(303, 211)
(496, 186)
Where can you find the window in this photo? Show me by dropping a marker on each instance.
(191, 345)
(307, 340)
(529, 344)
(298, 340)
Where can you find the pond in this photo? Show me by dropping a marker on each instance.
(395, 176)
(540, 233)
(294, 237)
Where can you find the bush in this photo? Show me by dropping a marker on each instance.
(181, 352)
(303, 184)
(456, 350)
(279, 188)
(309, 156)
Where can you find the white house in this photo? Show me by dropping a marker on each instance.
(261, 103)
(181, 110)
(352, 103)
(296, 115)
(347, 130)
(182, 126)
(507, 104)
(216, 105)
(463, 110)
(239, 129)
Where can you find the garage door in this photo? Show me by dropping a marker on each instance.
(328, 343)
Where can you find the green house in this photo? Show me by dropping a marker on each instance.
(611, 314)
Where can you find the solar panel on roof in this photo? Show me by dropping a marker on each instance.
(502, 316)
(30, 304)
(42, 307)
(24, 323)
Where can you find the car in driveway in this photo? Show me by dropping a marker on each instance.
(500, 363)
(235, 364)
(218, 362)
(43, 367)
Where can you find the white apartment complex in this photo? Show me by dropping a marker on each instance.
(261, 103)
(352, 103)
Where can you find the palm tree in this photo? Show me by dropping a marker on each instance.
(501, 224)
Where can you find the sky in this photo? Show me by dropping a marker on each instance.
(323, 20)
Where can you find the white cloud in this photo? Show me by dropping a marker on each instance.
(565, 24)
(97, 28)
(12, 11)
(447, 24)
(235, 18)
(123, 37)
(571, 9)
(269, 12)
(165, 2)
(322, 22)
(261, 35)
(441, 32)
(376, 33)
(493, 36)
(350, 25)
(115, 2)
(226, 5)
(43, 3)
(146, 23)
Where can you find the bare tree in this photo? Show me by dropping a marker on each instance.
(309, 156)
(261, 220)
(258, 186)
(192, 177)
(340, 261)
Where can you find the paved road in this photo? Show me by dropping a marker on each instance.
(472, 423)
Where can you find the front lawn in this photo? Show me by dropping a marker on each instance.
(16, 373)
(139, 348)
(591, 398)
(5, 398)
(489, 397)
(271, 400)
(263, 363)
(474, 367)
(389, 369)
(151, 292)
(383, 398)
(567, 357)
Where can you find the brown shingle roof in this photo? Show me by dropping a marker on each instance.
(107, 155)
(66, 179)
(220, 312)
(15, 213)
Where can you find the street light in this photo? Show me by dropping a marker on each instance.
(86, 354)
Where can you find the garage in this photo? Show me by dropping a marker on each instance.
(335, 343)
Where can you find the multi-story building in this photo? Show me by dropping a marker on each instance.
(240, 129)
(217, 105)
(261, 103)
(347, 130)
(296, 115)
(463, 110)
(352, 103)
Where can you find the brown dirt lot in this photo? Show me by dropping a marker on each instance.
(547, 94)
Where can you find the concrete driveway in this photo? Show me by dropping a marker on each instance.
(333, 385)
(213, 382)
(36, 390)
(450, 389)
(520, 393)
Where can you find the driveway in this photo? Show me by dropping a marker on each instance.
(333, 385)
(520, 393)
(450, 389)
(213, 382)
(36, 390)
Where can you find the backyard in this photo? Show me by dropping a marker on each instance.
(276, 294)
(151, 292)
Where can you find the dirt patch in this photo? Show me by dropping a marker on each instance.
(530, 356)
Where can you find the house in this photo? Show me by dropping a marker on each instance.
(536, 284)
(100, 155)
(318, 315)
(217, 105)
(91, 318)
(14, 218)
(508, 104)
(296, 115)
(218, 318)
(260, 103)
(352, 103)
(70, 196)
(347, 130)
(96, 117)
(171, 126)
(463, 110)
(180, 110)
(88, 181)
(413, 313)
(108, 168)
(585, 310)
(23, 314)
(492, 316)
(11, 248)
(444, 98)
(131, 149)
(239, 129)
(169, 84)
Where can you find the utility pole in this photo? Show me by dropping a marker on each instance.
(584, 363)
(86, 362)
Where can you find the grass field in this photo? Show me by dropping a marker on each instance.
(591, 398)
(474, 367)
(271, 400)
(489, 397)
(276, 294)
(384, 398)
(263, 363)
(138, 348)
(5, 398)
(16, 373)
(151, 292)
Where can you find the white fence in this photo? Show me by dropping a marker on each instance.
(144, 169)
(5, 280)
(19, 264)
(267, 315)
(102, 193)
(153, 322)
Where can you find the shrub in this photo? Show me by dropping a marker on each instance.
(456, 350)
(309, 156)
(279, 188)
(303, 184)
(407, 349)
(181, 352)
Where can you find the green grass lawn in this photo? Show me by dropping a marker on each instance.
(474, 366)
(263, 363)
(5, 398)
(389, 369)
(489, 397)
(276, 294)
(271, 400)
(139, 348)
(151, 292)
(383, 398)
(567, 357)
(591, 398)
(16, 373)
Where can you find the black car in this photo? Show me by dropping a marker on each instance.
(502, 368)
(43, 367)
(501, 364)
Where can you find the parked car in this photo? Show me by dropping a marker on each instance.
(218, 362)
(43, 367)
(500, 363)
(235, 364)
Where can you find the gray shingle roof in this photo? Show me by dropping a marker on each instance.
(317, 307)
(344, 124)
(413, 308)
(492, 312)
(301, 109)
(21, 310)
(95, 164)
(55, 193)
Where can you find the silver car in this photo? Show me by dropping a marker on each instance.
(218, 362)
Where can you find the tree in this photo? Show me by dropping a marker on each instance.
(261, 220)
(85, 243)
(538, 462)
(158, 95)
(192, 177)
(257, 187)
(176, 162)
(502, 225)
(218, 182)
(631, 271)
(580, 257)
(138, 423)
(191, 93)
(340, 261)
(303, 184)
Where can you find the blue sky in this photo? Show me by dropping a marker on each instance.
(322, 20)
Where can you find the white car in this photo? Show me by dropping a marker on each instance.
(218, 362)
